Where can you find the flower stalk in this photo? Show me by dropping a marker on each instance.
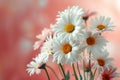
(53, 71)
(47, 73)
(79, 71)
(75, 74)
(63, 71)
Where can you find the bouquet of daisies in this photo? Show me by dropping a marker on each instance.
(71, 41)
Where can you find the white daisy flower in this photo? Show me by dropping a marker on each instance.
(42, 37)
(34, 66)
(93, 42)
(101, 60)
(102, 23)
(46, 49)
(69, 23)
(73, 10)
(65, 51)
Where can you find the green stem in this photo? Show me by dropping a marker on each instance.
(87, 75)
(79, 71)
(91, 74)
(94, 73)
(90, 61)
(84, 67)
(53, 72)
(63, 71)
(47, 73)
(76, 77)
(90, 64)
(84, 75)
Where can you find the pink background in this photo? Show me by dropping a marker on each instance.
(22, 20)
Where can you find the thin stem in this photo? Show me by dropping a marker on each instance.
(60, 70)
(84, 67)
(94, 73)
(87, 75)
(91, 74)
(90, 61)
(76, 77)
(79, 71)
(90, 64)
(84, 74)
(47, 73)
(63, 71)
(53, 71)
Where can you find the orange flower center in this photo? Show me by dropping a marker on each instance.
(91, 40)
(69, 28)
(101, 62)
(66, 48)
(100, 27)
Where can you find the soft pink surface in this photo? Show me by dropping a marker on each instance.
(22, 20)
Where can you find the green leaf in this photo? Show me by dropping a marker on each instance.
(80, 77)
(91, 76)
(67, 76)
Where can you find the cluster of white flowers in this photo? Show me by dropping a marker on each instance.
(71, 39)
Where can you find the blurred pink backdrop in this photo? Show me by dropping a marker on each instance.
(22, 20)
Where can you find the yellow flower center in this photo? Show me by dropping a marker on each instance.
(48, 51)
(69, 28)
(90, 41)
(100, 27)
(66, 48)
(37, 66)
(101, 62)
